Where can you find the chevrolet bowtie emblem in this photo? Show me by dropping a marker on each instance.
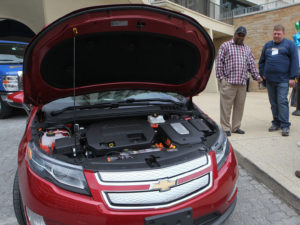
(164, 185)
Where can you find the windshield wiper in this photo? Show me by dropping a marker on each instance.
(155, 100)
(80, 107)
(116, 104)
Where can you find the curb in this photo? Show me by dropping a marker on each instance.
(261, 176)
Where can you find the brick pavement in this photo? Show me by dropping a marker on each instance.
(258, 205)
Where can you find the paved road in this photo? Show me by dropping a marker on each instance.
(256, 205)
(11, 131)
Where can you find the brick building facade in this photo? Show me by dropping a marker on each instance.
(260, 28)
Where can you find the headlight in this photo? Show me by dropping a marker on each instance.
(64, 175)
(221, 148)
(20, 74)
(10, 83)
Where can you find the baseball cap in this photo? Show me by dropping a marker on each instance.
(241, 30)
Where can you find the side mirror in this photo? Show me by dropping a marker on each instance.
(16, 99)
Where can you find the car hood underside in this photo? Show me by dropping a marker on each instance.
(117, 47)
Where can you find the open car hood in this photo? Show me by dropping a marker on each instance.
(117, 47)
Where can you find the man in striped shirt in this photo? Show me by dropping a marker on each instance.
(233, 63)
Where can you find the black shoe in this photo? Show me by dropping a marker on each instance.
(297, 173)
(274, 128)
(228, 133)
(285, 131)
(238, 131)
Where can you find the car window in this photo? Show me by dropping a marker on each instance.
(11, 53)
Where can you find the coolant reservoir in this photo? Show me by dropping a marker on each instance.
(49, 137)
(155, 120)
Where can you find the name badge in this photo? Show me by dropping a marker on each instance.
(274, 51)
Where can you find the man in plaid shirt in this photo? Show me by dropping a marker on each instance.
(233, 63)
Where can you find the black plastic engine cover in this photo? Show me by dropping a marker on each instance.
(114, 135)
(194, 135)
(200, 125)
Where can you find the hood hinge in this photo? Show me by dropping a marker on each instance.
(190, 104)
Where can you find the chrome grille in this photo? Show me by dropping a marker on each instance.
(157, 199)
(191, 178)
(152, 174)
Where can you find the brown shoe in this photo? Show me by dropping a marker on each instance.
(297, 173)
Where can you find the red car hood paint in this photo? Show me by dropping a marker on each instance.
(117, 47)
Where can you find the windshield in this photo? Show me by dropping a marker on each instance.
(11, 53)
(113, 96)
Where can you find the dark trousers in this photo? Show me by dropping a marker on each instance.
(278, 97)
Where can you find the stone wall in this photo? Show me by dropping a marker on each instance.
(260, 29)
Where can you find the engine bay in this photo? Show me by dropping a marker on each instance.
(112, 140)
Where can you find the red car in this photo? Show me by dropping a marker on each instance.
(113, 136)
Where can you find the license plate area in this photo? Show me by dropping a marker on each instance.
(180, 217)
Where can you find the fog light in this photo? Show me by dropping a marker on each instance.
(34, 218)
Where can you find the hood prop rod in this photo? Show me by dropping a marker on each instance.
(75, 126)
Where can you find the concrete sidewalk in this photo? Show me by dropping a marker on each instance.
(270, 157)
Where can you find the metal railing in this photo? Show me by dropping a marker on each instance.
(263, 7)
(221, 13)
(208, 8)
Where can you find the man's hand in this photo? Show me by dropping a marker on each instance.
(292, 83)
(259, 79)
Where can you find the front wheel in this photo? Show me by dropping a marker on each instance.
(17, 201)
(5, 109)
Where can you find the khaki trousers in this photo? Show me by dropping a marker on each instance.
(231, 97)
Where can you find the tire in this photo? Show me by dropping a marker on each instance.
(17, 202)
(5, 109)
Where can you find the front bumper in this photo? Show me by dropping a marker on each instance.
(219, 220)
(3, 96)
(59, 206)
